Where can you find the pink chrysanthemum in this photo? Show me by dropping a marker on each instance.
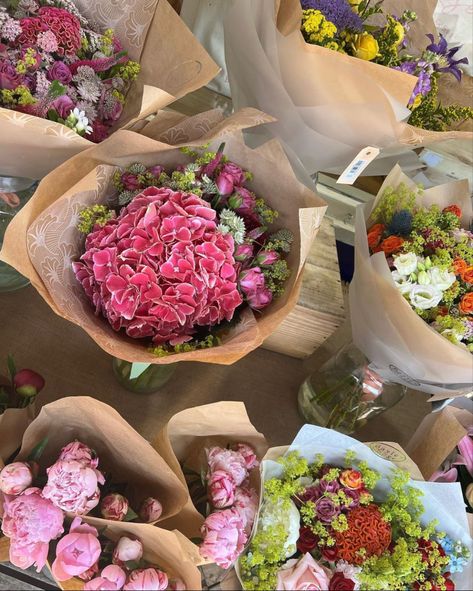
(161, 268)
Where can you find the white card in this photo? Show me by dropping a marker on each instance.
(358, 165)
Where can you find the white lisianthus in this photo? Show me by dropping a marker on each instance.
(441, 278)
(406, 263)
(403, 283)
(425, 297)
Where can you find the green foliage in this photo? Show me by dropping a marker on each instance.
(280, 241)
(393, 200)
(90, 216)
(275, 277)
(206, 343)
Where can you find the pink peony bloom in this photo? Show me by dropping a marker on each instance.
(221, 487)
(224, 537)
(126, 550)
(246, 504)
(89, 574)
(161, 268)
(15, 478)
(150, 510)
(80, 453)
(73, 486)
(77, 551)
(114, 507)
(111, 578)
(229, 461)
(248, 454)
(303, 573)
(253, 286)
(146, 579)
(30, 522)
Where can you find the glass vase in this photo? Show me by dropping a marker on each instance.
(346, 392)
(14, 193)
(152, 379)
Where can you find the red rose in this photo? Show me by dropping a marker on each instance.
(329, 553)
(307, 540)
(340, 583)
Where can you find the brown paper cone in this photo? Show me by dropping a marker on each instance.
(173, 63)
(13, 423)
(183, 440)
(41, 242)
(122, 452)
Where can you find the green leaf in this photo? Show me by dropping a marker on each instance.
(130, 515)
(37, 451)
(132, 564)
(196, 541)
(56, 89)
(11, 366)
(53, 115)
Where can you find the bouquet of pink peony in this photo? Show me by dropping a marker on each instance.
(71, 73)
(336, 515)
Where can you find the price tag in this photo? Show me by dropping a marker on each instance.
(358, 165)
(137, 369)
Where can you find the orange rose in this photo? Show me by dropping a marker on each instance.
(391, 245)
(374, 235)
(466, 303)
(459, 265)
(453, 209)
(467, 274)
(351, 479)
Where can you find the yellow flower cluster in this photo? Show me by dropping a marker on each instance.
(28, 61)
(21, 95)
(317, 28)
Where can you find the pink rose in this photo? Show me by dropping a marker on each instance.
(61, 72)
(150, 510)
(127, 550)
(63, 105)
(100, 132)
(111, 578)
(229, 461)
(146, 579)
(303, 574)
(224, 183)
(244, 252)
(9, 77)
(114, 507)
(15, 478)
(246, 504)
(221, 487)
(73, 486)
(77, 551)
(266, 258)
(80, 453)
(30, 522)
(224, 537)
(237, 174)
(252, 283)
(248, 454)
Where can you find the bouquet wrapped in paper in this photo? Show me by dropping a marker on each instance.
(207, 245)
(411, 294)
(72, 72)
(324, 86)
(337, 514)
(216, 451)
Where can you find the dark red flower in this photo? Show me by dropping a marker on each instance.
(307, 540)
(28, 383)
(330, 553)
(340, 583)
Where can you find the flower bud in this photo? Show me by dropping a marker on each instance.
(421, 266)
(427, 263)
(114, 507)
(126, 550)
(235, 201)
(366, 47)
(267, 257)
(15, 478)
(150, 510)
(28, 383)
(423, 278)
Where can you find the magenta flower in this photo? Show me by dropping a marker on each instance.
(28, 382)
(253, 286)
(76, 552)
(60, 71)
(111, 578)
(9, 77)
(224, 537)
(63, 105)
(465, 457)
(326, 510)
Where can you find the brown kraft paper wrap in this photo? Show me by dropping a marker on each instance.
(437, 436)
(401, 346)
(173, 63)
(13, 423)
(183, 441)
(42, 240)
(122, 452)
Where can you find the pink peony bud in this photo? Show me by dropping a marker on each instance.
(150, 510)
(248, 454)
(114, 507)
(177, 585)
(28, 383)
(15, 478)
(80, 453)
(146, 579)
(89, 574)
(221, 487)
(126, 550)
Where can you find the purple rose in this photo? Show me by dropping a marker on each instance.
(63, 105)
(328, 486)
(326, 510)
(353, 497)
(311, 493)
(234, 171)
(9, 77)
(60, 71)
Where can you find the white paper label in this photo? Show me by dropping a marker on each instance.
(137, 369)
(358, 165)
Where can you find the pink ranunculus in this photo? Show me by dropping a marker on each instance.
(229, 461)
(80, 453)
(303, 574)
(224, 537)
(150, 510)
(221, 487)
(77, 551)
(111, 578)
(73, 486)
(15, 478)
(114, 507)
(126, 550)
(248, 454)
(30, 522)
(246, 504)
(63, 105)
(146, 579)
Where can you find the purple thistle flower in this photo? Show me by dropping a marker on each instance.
(448, 63)
(338, 12)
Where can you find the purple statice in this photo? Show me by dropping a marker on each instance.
(338, 12)
(445, 57)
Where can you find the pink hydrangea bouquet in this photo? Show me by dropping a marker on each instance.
(55, 65)
(180, 253)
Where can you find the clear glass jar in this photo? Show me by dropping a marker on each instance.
(346, 392)
(151, 380)
(14, 193)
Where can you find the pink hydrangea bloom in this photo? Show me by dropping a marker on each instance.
(224, 537)
(77, 551)
(248, 454)
(146, 579)
(246, 504)
(31, 522)
(221, 487)
(161, 268)
(229, 461)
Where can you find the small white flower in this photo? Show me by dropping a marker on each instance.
(425, 297)
(404, 284)
(406, 263)
(441, 278)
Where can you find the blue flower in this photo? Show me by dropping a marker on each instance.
(446, 63)
(401, 223)
(338, 12)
